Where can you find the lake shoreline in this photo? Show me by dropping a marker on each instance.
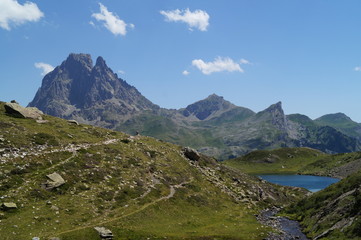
(310, 182)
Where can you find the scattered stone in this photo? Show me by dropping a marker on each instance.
(54, 238)
(55, 181)
(191, 154)
(104, 233)
(85, 186)
(14, 101)
(55, 208)
(41, 121)
(8, 206)
(73, 122)
(16, 110)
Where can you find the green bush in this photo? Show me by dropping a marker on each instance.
(44, 138)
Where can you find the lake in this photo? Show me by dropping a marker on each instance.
(312, 183)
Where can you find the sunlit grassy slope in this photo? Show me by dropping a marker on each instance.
(138, 187)
(297, 161)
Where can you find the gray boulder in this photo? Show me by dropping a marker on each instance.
(104, 233)
(191, 154)
(8, 206)
(16, 110)
(73, 122)
(55, 180)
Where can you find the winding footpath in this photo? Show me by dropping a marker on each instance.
(172, 191)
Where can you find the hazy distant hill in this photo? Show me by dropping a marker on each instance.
(94, 94)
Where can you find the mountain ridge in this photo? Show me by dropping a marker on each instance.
(95, 95)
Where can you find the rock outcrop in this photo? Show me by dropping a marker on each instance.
(14, 109)
(191, 154)
(104, 233)
(55, 180)
(8, 206)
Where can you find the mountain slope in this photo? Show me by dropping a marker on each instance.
(277, 161)
(342, 123)
(333, 213)
(297, 161)
(138, 187)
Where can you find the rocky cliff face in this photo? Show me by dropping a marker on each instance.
(95, 94)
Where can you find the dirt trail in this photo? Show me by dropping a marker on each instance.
(68, 148)
(172, 191)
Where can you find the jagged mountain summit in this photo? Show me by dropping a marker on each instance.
(208, 108)
(96, 95)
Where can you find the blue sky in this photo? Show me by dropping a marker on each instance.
(305, 53)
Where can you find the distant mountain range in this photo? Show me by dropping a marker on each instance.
(96, 95)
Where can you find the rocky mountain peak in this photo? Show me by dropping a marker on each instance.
(214, 97)
(77, 89)
(275, 107)
(76, 60)
(101, 62)
(207, 108)
(275, 115)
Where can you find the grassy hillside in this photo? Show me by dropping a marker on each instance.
(138, 187)
(297, 161)
(278, 161)
(342, 123)
(333, 213)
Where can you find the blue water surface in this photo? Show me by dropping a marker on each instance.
(312, 183)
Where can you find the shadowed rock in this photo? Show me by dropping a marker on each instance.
(191, 154)
(8, 206)
(16, 110)
(104, 233)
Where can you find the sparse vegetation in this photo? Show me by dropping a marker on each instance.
(138, 187)
(333, 213)
(297, 161)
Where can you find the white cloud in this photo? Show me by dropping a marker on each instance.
(13, 13)
(46, 68)
(219, 64)
(357, 69)
(197, 19)
(111, 21)
(121, 72)
(185, 73)
(92, 23)
(244, 61)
